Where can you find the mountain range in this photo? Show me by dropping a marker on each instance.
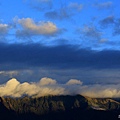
(63, 107)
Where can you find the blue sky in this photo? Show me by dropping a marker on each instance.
(93, 24)
(62, 40)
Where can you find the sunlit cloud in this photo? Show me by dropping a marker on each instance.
(47, 81)
(29, 27)
(47, 86)
(16, 89)
(9, 73)
(74, 81)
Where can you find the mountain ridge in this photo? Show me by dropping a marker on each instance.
(62, 105)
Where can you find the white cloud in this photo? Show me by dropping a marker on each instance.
(29, 27)
(103, 40)
(40, 5)
(108, 21)
(46, 1)
(90, 32)
(104, 5)
(48, 86)
(74, 81)
(3, 29)
(76, 6)
(101, 91)
(10, 73)
(9, 88)
(60, 14)
(47, 81)
(64, 11)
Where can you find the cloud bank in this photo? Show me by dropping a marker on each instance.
(48, 86)
(33, 55)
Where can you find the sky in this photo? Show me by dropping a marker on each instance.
(61, 40)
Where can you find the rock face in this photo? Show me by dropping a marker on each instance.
(58, 108)
(103, 103)
(45, 104)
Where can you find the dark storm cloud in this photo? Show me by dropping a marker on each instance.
(18, 56)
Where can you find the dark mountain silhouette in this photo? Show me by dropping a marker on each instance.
(59, 108)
